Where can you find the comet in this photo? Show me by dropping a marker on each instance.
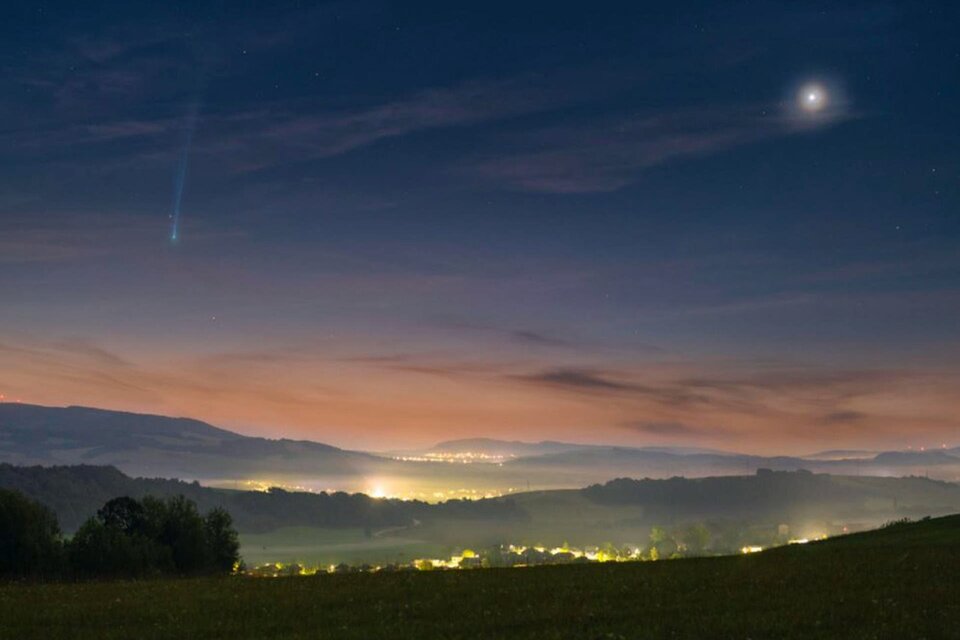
(180, 175)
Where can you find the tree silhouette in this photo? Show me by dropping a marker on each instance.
(154, 536)
(223, 546)
(124, 513)
(30, 539)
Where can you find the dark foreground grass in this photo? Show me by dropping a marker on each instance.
(898, 583)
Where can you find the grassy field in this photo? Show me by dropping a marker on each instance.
(313, 546)
(902, 582)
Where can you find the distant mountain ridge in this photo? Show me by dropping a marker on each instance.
(519, 448)
(158, 446)
(507, 448)
(555, 453)
(840, 454)
(155, 445)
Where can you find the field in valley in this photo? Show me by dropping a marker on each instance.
(315, 546)
(900, 582)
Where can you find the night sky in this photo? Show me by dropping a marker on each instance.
(385, 224)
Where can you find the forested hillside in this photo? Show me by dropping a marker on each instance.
(76, 492)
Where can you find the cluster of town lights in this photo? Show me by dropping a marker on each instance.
(757, 549)
(507, 556)
(510, 555)
(462, 457)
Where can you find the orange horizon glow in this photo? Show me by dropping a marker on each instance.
(416, 401)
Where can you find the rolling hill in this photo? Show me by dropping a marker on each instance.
(153, 445)
(620, 511)
(76, 492)
(149, 445)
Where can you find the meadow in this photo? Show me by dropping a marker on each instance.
(316, 546)
(899, 582)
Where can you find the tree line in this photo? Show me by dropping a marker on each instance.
(126, 538)
(76, 492)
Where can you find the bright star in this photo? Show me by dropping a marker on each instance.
(813, 98)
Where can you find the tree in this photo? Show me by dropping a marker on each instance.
(697, 537)
(177, 525)
(223, 546)
(119, 541)
(657, 535)
(99, 549)
(662, 542)
(607, 552)
(124, 514)
(154, 536)
(30, 538)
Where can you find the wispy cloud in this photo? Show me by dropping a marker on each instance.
(541, 339)
(95, 353)
(304, 129)
(433, 364)
(537, 339)
(523, 336)
(27, 238)
(843, 417)
(578, 380)
(799, 400)
(609, 154)
(267, 136)
(672, 430)
(593, 381)
(35, 238)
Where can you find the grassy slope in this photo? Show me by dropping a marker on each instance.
(897, 583)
